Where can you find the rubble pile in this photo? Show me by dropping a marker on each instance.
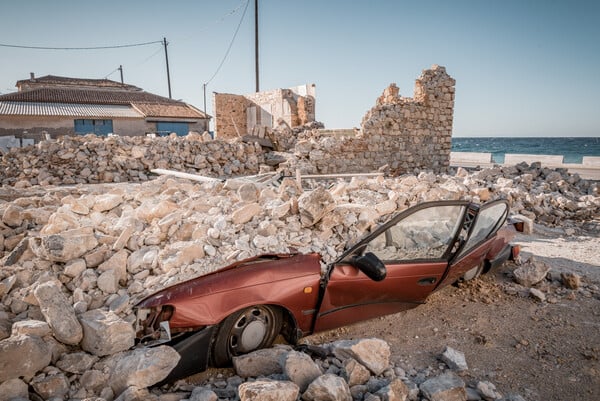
(75, 260)
(91, 159)
(341, 370)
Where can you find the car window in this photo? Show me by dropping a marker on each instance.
(486, 222)
(425, 234)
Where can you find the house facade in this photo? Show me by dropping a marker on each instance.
(53, 105)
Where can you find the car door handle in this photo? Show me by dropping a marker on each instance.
(427, 281)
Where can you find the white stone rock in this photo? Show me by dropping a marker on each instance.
(31, 327)
(22, 356)
(328, 387)
(68, 245)
(142, 367)
(59, 312)
(107, 202)
(454, 359)
(300, 368)
(75, 267)
(104, 333)
(245, 213)
(373, 353)
(268, 391)
(108, 282)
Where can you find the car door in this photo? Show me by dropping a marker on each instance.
(471, 254)
(415, 247)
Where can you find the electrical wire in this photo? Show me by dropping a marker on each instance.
(80, 48)
(214, 22)
(110, 73)
(230, 44)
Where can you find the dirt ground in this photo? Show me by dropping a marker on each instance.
(539, 350)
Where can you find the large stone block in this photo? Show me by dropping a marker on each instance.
(143, 367)
(104, 333)
(59, 312)
(22, 356)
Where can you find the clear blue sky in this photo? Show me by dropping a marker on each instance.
(523, 68)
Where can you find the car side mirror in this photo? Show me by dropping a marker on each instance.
(371, 265)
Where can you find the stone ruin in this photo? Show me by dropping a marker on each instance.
(400, 134)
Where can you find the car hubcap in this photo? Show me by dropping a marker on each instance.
(252, 336)
(249, 332)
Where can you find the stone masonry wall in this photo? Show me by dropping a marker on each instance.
(230, 115)
(237, 115)
(407, 134)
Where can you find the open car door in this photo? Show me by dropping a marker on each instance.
(415, 247)
(468, 262)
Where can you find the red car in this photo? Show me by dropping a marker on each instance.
(243, 307)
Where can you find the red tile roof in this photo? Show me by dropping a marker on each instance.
(147, 103)
(55, 80)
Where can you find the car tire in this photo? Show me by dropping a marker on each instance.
(245, 331)
(473, 273)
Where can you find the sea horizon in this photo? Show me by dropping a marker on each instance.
(573, 149)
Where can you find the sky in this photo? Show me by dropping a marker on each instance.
(522, 68)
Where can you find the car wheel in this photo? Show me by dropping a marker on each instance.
(473, 273)
(245, 331)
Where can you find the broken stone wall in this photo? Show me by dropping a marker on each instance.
(407, 134)
(230, 115)
(237, 115)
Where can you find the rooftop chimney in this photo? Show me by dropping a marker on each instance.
(32, 75)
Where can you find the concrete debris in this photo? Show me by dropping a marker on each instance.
(373, 353)
(104, 333)
(262, 362)
(268, 391)
(23, 356)
(59, 312)
(300, 368)
(454, 359)
(537, 294)
(328, 387)
(446, 387)
(531, 272)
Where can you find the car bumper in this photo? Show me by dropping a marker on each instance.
(194, 350)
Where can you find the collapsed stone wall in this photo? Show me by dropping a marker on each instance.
(406, 134)
(91, 159)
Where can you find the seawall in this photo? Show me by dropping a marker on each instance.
(588, 169)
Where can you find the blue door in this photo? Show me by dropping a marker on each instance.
(165, 128)
(98, 127)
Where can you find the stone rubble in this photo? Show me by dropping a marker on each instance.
(76, 259)
(330, 382)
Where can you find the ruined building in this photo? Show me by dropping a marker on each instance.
(239, 115)
(406, 134)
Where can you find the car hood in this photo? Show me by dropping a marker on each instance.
(249, 272)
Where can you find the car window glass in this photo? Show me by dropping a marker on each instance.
(487, 220)
(425, 234)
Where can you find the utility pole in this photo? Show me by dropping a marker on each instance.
(256, 42)
(121, 69)
(167, 61)
(204, 88)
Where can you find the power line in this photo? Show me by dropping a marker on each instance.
(216, 21)
(80, 48)
(230, 45)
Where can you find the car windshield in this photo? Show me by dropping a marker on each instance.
(425, 234)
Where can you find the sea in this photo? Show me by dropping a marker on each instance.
(571, 148)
